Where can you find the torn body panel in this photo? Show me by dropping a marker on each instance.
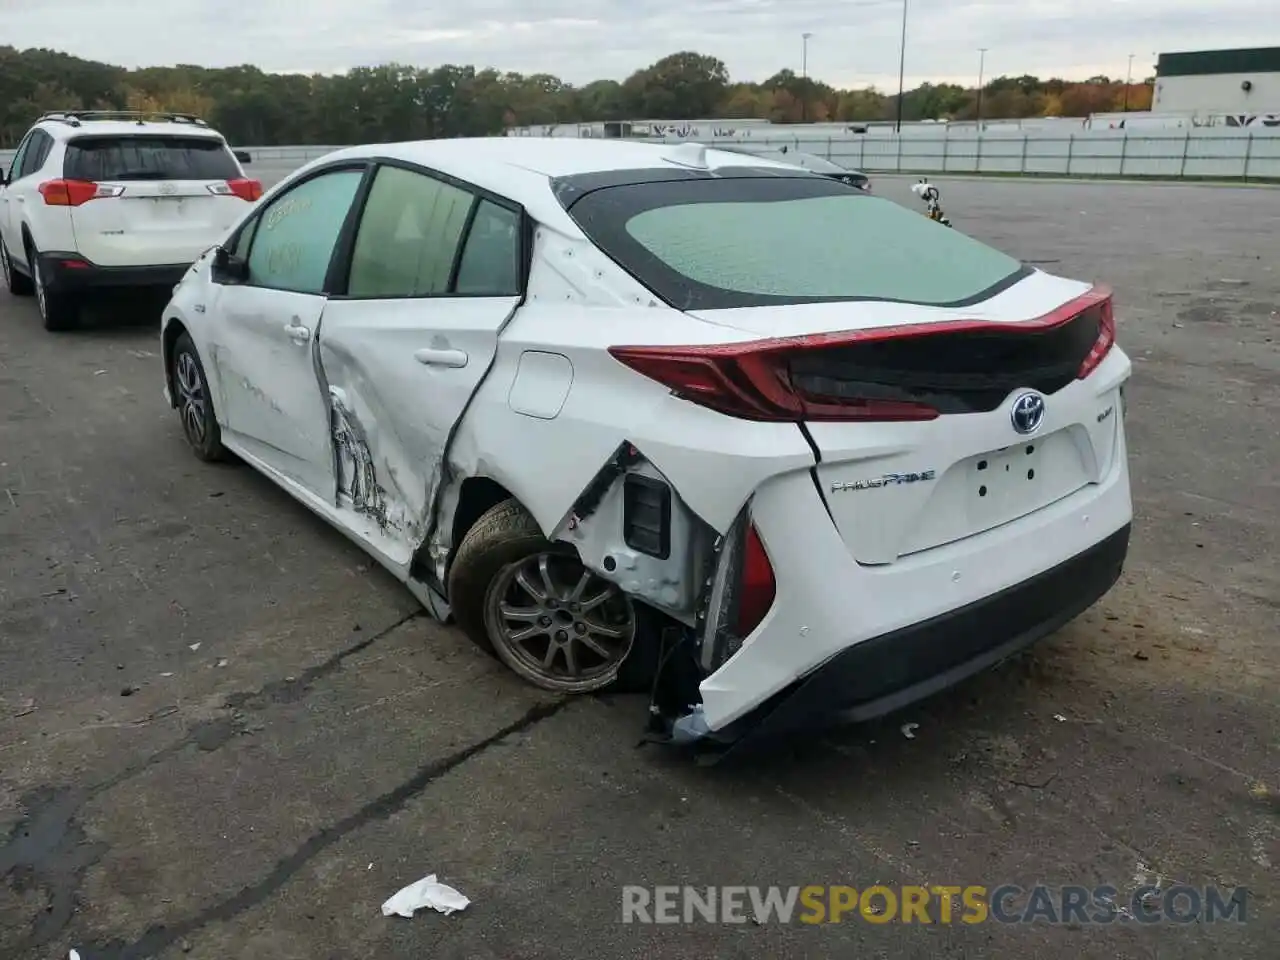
(632, 528)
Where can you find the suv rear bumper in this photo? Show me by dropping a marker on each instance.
(70, 273)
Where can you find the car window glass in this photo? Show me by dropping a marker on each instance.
(20, 155)
(735, 242)
(35, 153)
(490, 264)
(297, 233)
(142, 157)
(408, 236)
(239, 245)
(45, 149)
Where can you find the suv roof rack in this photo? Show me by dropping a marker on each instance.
(74, 118)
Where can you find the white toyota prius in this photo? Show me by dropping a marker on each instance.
(776, 450)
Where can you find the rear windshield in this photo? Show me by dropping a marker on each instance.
(725, 242)
(149, 158)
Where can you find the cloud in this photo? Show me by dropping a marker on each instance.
(854, 42)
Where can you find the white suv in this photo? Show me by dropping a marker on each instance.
(114, 199)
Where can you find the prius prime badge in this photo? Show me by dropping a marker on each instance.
(1027, 413)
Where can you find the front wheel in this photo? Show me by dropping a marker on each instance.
(535, 606)
(194, 402)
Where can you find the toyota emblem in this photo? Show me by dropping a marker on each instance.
(168, 189)
(1027, 413)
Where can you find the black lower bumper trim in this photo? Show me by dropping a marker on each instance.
(885, 673)
(70, 272)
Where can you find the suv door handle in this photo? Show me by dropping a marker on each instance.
(297, 332)
(441, 358)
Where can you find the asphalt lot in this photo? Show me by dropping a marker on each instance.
(224, 733)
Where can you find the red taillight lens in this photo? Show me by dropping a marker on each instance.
(245, 189)
(1106, 338)
(249, 190)
(758, 588)
(72, 193)
(753, 380)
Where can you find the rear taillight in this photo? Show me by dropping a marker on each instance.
(1106, 338)
(73, 193)
(757, 589)
(245, 189)
(758, 379)
(751, 381)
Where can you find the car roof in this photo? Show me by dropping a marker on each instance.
(64, 130)
(523, 168)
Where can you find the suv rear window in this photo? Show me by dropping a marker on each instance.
(149, 158)
(743, 241)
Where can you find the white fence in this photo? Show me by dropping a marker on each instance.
(1209, 153)
(1217, 154)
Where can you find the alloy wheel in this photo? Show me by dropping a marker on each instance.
(42, 300)
(191, 398)
(558, 624)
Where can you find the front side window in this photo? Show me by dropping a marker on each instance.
(295, 236)
(717, 243)
(408, 236)
(149, 157)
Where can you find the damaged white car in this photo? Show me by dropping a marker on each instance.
(779, 451)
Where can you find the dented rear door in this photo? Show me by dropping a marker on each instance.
(436, 272)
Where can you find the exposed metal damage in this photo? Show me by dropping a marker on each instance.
(357, 475)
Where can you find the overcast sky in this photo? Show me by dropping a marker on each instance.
(854, 42)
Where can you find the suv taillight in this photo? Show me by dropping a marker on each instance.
(244, 188)
(73, 193)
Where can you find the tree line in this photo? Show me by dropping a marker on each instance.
(400, 102)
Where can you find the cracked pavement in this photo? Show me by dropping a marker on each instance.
(225, 732)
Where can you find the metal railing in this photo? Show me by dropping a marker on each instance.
(1190, 154)
(1193, 153)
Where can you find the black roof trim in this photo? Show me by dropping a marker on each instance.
(572, 188)
(1203, 63)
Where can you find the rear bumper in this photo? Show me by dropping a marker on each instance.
(884, 673)
(861, 640)
(69, 273)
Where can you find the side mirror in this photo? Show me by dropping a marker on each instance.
(228, 268)
(243, 156)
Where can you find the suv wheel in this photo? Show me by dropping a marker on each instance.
(58, 310)
(15, 282)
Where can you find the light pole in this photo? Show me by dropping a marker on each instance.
(1127, 81)
(982, 62)
(902, 66)
(804, 69)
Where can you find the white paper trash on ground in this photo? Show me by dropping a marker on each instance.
(427, 892)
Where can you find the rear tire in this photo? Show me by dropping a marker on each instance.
(59, 310)
(194, 402)
(16, 283)
(583, 633)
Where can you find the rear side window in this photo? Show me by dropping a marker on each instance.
(490, 264)
(149, 158)
(408, 236)
(718, 243)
